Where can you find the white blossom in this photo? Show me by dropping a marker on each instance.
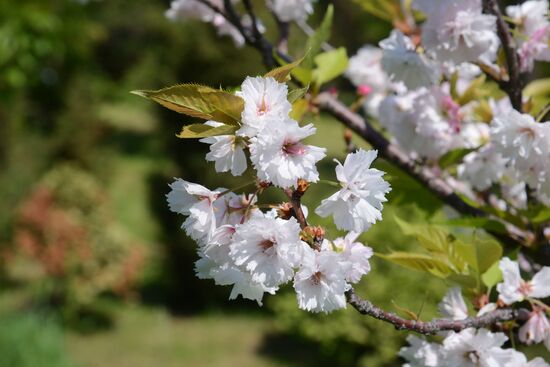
(425, 122)
(243, 283)
(526, 144)
(265, 102)
(536, 329)
(280, 157)
(291, 10)
(403, 63)
(532, 32)
(359, 203)
(215, 263)
(366, 73)
(268, 248)
(474, 134)
(515, 289)
(518, 359)
(197, 202)
(474, 348)
(365, 69)
(482, 168)
(189, 9)
(421, 353)
(458, 31)
(235, 209)
(227, 151)
(194, 9)
(320, 283)
(453, 306)
(354, 257)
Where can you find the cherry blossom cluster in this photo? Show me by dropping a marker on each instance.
(471, 347)
(257, 252)
(422, 86)
(415, 93)
(285, 10)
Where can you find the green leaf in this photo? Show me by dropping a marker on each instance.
(466, 282)
(383, 9)
(196, 131)
(453, 157)
(480, 254)
(539, 87)
(420, 262)
(430, 237)
(296, 94)
(304, 75)
(439, 242)
(321, 35)
(198, 101)
(282, 73)
(330, 65)
(539, 214)
(474, 91)
(492, 276)
(476, 222)
(299, 109)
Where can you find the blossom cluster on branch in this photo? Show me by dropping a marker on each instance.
(444, 97)
(256, 252)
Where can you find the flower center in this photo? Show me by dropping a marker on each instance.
(473, 356)
(263, 108)
(525, 288)
(527, 131)
(316, 278)
(265, 245)
(294, 148)
(452, 110)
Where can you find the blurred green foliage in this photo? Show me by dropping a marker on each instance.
(30, 341)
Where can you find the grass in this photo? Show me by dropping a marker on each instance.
(145, 337)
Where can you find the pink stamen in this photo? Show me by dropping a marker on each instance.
(263, 108)
(364, 90)
(452, 110)
(526, 288)
(294, 148)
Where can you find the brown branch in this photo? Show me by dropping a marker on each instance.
(284, 33)
(421, 173)
(434, 326)
(259, 41)
(295, 197)
(513, 86)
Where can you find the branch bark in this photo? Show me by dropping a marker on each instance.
(513, 86)
(295, 197)
(434, 326)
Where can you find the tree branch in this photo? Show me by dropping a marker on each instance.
(434, 326)
(259, 41)
(513, 86)
(295, 197)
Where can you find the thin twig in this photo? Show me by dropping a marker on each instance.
(295, 197)
(284, 33)
(514, 84)
(259, 41)
(434, 326)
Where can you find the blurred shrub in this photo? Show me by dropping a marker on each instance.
(31, 341)
(67, 245)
